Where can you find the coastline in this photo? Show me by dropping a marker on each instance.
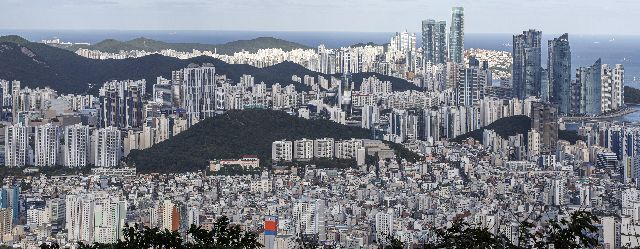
(623, 112)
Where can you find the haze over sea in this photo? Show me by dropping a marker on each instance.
(586, 49)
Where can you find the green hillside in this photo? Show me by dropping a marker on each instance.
(237, 133)
(505, 127)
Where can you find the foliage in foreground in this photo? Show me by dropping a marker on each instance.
(577, 232)
(221, 236)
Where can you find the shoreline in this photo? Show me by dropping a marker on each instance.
(623, 112)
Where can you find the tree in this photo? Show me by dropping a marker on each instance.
(223, 235)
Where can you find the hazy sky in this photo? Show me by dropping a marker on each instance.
(482, 16)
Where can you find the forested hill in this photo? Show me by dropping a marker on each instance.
(40, 65)
(253, 45)
(231, 135)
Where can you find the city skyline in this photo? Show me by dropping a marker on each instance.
(374, 16)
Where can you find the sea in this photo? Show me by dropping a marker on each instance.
(585, 49)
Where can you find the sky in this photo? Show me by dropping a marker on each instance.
(481, 16)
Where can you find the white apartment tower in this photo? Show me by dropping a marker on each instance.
(46, 145)
(107, 146)
(76, 145)
(281, 150)
(384, 226)
(303, 149)
(306, 217)
(198, 93)
(79, 217)
(323, 148)
(16, 145)
(109, 218)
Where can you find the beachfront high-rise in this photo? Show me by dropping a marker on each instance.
(590, 83)
(559, 73)
(526, 67)
(456, 35)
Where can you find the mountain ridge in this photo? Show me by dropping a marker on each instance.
(40, 65)
(150, 45)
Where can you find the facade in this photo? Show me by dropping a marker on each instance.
(456, 35)
(46, 145)
(559, 73)
(16, 145)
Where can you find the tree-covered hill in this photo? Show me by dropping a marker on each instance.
(40, 65)
(505, 127)
(509, 126)
(253, 45)
(631, 95)
(231, 135)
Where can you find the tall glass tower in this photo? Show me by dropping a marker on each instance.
(456, 35)
(434, 41)
(526, 75)
(559, 73)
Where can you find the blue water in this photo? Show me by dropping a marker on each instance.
(586, 49)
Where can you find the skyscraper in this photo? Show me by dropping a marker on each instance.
(456, 35)
(76, 145)
(434, 41)
(16, 145)
(526, 68)
(471, 83)
(590, 83)
(46, 145)
(198, 92)
(559, 73)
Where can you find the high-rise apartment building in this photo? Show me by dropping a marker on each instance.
(107, 147)
(590, 82)
(46, 145)
(612, 87)
(544, 120)
(282, 151)
(471, 83)
(434, 41)
(16, 145)
(199, 92)
(121, 103)
(76, 145)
